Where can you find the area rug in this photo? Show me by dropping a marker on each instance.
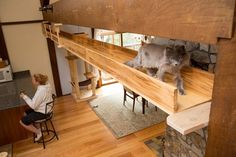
(120, 119)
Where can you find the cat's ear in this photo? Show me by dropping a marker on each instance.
(168, 51)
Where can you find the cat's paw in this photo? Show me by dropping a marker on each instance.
(159, 78)
(182, 92)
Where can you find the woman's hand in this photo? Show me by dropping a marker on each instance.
(22, 95)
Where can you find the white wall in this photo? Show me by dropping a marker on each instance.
(25, 43)
(63, 69)
(63, 66)
(19, 10)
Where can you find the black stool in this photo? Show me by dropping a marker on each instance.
(48, 118)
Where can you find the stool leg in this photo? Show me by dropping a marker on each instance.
(143, 104)
(124, 97)
(133, 102)
(46, 127)
(42, 135)
(155, 108)
(53, 129)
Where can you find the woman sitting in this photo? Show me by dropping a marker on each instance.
(37, 104)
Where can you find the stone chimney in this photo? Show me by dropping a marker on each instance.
(203, 56)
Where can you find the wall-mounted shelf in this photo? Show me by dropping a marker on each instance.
(190, 120)
(110, 58)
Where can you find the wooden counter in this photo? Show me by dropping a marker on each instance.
(12, 108)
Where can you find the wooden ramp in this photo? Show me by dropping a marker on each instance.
(110, 58)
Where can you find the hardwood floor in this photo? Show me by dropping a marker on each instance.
(83, 134)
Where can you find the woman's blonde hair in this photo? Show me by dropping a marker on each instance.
(41, 79)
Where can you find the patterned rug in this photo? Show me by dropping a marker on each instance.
(119, 118)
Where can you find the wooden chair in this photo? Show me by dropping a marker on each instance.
(131, 94)
(48, 118)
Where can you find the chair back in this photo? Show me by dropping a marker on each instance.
(50, 105)
(128, 90)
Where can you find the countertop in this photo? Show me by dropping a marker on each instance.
(9, 91)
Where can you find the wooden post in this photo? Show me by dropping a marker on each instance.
(74, 75)
(56, 28)
(99, 82)
(222, 124)
(86, 66)
(93, 81)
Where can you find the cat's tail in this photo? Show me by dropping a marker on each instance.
(135, 62)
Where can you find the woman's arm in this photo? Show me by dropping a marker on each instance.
(37, 99)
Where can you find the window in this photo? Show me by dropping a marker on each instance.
(132, 41)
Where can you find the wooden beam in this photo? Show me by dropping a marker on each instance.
(72, 61)
(201, 21)
(21, 22)
(222, 124)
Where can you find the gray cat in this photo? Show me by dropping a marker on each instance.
(165, 59)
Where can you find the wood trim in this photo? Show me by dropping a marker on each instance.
(21, 22)
(53, 61)
(3, 49)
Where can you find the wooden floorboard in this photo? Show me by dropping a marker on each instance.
(83, 134)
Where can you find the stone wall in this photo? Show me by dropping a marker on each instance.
(190, 145)
(203, 56)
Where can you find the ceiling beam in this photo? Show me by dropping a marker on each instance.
(201, 21)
